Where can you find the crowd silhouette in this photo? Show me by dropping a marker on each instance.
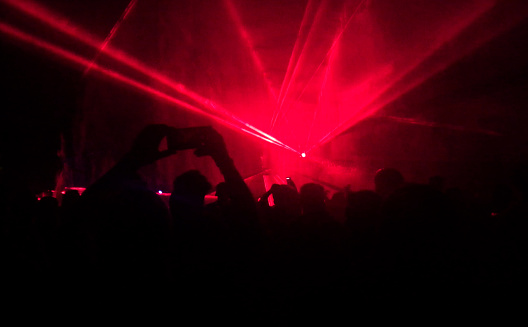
(398, 242)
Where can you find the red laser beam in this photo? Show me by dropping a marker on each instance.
(45, 15)
(78, 60)
(392, 90)
(110, 35)
(330, 50)
(278, 180)
(305, 30)
(256, 175)
(325, 59)
(233, 12)
(320, 104)
(411, 121)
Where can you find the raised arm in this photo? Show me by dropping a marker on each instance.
(144, 151)
(241, 196)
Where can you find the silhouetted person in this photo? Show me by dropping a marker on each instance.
(214, 255)
(363, 222)
(128, 226)
(291, 184)
(188, 195)
(222, 194)
(23, 263)
(47, 226)
(70, 200)
(337, 206)
(221, 209)
(313, 255)
(363, 213)
(313, 199)
(437, 182)
(286, 208)
(417, 244)
(387, 180)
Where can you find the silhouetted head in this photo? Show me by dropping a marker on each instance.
(437, 182)
(189, 190)
(363, 207)
(312, 198)
(48, 205)
(70, 198)
(286, 199)
(520, 178)
(337, 205)
(387, 180)
(416, 212)
(47, 212)
(222, 192)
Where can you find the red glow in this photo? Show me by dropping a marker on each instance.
(388, 81)
(247, 40)
(110, 35)
(306, 75)
(330, 51)
(439, 125)
(9, 30)
(350, 60)
(310, 19)
(39, 12)
(268, 182)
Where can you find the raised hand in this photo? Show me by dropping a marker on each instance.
(145, 149)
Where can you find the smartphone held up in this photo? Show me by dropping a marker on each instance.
(188, 138)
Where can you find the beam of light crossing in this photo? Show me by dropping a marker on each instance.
(110, 35)
(310, 15)
(233, 12)
(377, 101)
(278, 180)
(246, 179)
(331, 49)
(63, 25)
(78, 60)
(325, 58)
(411, 121)
(319, 105)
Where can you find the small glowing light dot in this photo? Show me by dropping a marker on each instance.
(160, 192)
(303, 155)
